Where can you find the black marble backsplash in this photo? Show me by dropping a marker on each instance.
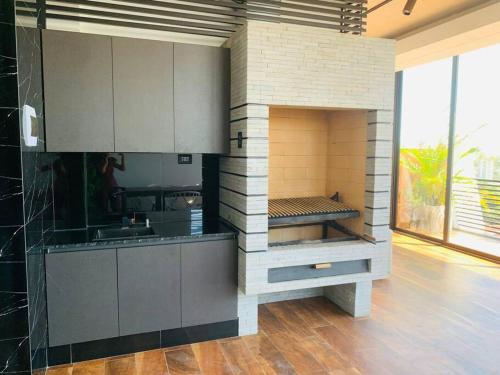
(110, 189)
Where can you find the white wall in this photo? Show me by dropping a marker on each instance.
(473, 29)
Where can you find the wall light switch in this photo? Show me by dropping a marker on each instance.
(184, 159)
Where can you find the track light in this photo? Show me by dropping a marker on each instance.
(410, 4)
(409, 7)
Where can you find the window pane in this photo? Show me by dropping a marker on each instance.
(475, 219)
(424, 148)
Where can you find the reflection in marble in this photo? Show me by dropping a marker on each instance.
(119, 185)
(96, 189)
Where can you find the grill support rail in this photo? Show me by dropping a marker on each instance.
(292, 212)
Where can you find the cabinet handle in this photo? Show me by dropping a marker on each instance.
(322, 266)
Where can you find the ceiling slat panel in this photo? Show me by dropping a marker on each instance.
(208, 17)
(154, 11)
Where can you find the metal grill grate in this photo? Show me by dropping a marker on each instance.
(307, 209)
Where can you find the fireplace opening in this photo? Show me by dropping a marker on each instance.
(316, 174)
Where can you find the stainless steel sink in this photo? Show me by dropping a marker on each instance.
(111, 234)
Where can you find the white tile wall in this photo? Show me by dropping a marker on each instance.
(245, 166)
(253, 241)
(251, 223)
(256, 147)
(253, 204)
(307, 66)
(378, 165)
(378, 183)
(243, 184)
(250, 127)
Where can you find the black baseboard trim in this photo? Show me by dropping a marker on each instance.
(115, 346)
(59, 355)
(65, 354)
(205, 332)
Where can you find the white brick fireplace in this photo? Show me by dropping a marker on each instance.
(306, 68)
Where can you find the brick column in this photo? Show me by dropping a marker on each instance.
(355, 298)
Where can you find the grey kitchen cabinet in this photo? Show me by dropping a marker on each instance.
(201, 99)
(143, 92)
(82, 298)
(149, 288)
(77, 70)
(208, 282)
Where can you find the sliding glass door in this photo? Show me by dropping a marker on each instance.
(447, 164)
(475, 214)
(423, 149)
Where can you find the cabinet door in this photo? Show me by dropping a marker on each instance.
(143, 95)
(82, 296)
(149, 288)
(201, 99)
(208, 284)
(77, 71)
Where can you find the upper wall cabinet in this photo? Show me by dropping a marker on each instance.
(201, 98)
(78, 92)
(105, 94)
(143, 95)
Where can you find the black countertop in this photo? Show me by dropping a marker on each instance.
(166, 232)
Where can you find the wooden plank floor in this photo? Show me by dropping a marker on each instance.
(439, 313)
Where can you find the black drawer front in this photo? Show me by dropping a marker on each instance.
(308, 271)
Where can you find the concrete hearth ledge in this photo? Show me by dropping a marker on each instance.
(255, 280)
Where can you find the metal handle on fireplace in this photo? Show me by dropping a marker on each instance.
(322, 266)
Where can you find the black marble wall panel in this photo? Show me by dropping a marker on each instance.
(14, 317)
(25, 197)
(37, 184)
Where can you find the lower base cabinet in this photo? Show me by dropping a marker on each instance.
(209, 282)
(82, 298)
(99, 294)
(149, 288)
